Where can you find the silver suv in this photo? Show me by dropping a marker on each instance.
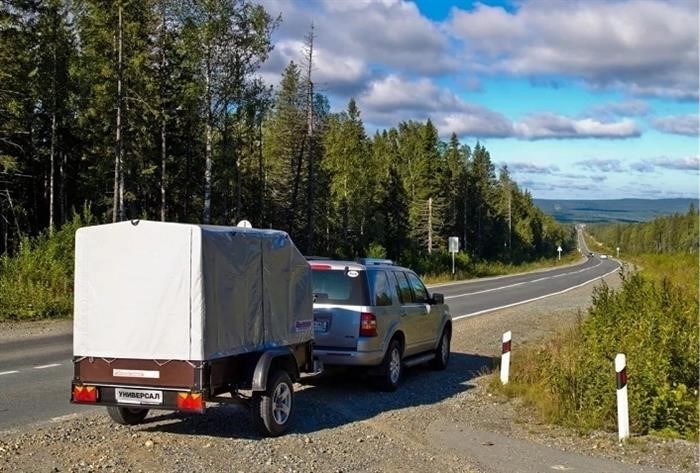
(373, 313)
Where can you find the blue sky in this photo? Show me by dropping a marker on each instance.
(580, 99)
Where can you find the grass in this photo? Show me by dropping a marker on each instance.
(653, 319)
(37, 282)
(488, 269)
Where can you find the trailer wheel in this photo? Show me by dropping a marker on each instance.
(127, 415)
(271, 410)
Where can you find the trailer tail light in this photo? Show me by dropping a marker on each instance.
(84, 393)
(192, 402)
(368, 325)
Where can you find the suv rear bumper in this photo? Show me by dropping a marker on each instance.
(349, 358)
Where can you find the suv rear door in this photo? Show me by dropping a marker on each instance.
(411, 314)
(430, 318)
(339, 295)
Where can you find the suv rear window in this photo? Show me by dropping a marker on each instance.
(339, 286)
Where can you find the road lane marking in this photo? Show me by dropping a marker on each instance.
(62, 418)
(507, 306)
(503, 276)
(42, 367)
(8, 372)
(521, 283)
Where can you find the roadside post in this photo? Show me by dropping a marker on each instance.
(618, 252)
(559, 250)
(453, 246)
(623, 423)
(505, 357)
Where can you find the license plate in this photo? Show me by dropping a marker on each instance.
(320, 325)
(138, 396)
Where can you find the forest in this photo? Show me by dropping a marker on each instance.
(155, 109)
(676, 233)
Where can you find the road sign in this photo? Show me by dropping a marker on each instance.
(244, 224)
(453, 244)
(453, 247)
(618, 251)
(559, 250)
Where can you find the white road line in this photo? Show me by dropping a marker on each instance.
(74, 415)
(534, 298)
(8, 372)
(52, 365)
(521, 283)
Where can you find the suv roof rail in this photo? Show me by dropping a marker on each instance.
(315, 258)
(370, 261)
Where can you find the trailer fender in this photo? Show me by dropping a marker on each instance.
(283, 356)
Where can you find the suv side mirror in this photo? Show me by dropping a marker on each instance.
(437, 298)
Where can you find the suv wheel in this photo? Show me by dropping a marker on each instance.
(391, 368)
(442, 352)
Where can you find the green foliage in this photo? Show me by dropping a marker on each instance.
(376, 251)
(673, 233)
(38, 281)
(202, 138)
(655, 325)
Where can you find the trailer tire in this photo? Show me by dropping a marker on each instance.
(127, 415)
(272, 409)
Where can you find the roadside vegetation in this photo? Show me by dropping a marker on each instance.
(652, 318)
(186, 136)
(37, 282)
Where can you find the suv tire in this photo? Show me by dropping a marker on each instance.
(442, 352)
(391, 368)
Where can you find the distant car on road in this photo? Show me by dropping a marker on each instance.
(590, 253)
(603, 256)
(375, 314)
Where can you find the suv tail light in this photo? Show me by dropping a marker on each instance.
(368, 325)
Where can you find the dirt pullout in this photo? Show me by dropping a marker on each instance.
(343, 425)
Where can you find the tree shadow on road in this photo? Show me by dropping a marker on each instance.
(337, 398)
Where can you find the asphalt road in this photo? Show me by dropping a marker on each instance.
(35, 373)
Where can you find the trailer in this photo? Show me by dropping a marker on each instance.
(177, 316)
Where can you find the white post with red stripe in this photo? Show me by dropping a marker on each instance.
(623, 422)
(505, 357)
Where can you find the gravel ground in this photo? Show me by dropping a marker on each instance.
(342, 424)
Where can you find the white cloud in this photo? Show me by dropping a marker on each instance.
(532, 168)
(602, 165)
(354, 39)
(688, 125)
(643, 47)
(625, 108)
(548, 126)
(392, 99)
(345, 75)
(689, 163)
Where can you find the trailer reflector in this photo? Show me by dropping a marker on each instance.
(192, 402)
(84, 393)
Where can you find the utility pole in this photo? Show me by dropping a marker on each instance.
(163, 117)
(118, 198)
(310, 138)
(430, 225)
(510, 224)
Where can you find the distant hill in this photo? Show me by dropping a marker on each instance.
(614, 210)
